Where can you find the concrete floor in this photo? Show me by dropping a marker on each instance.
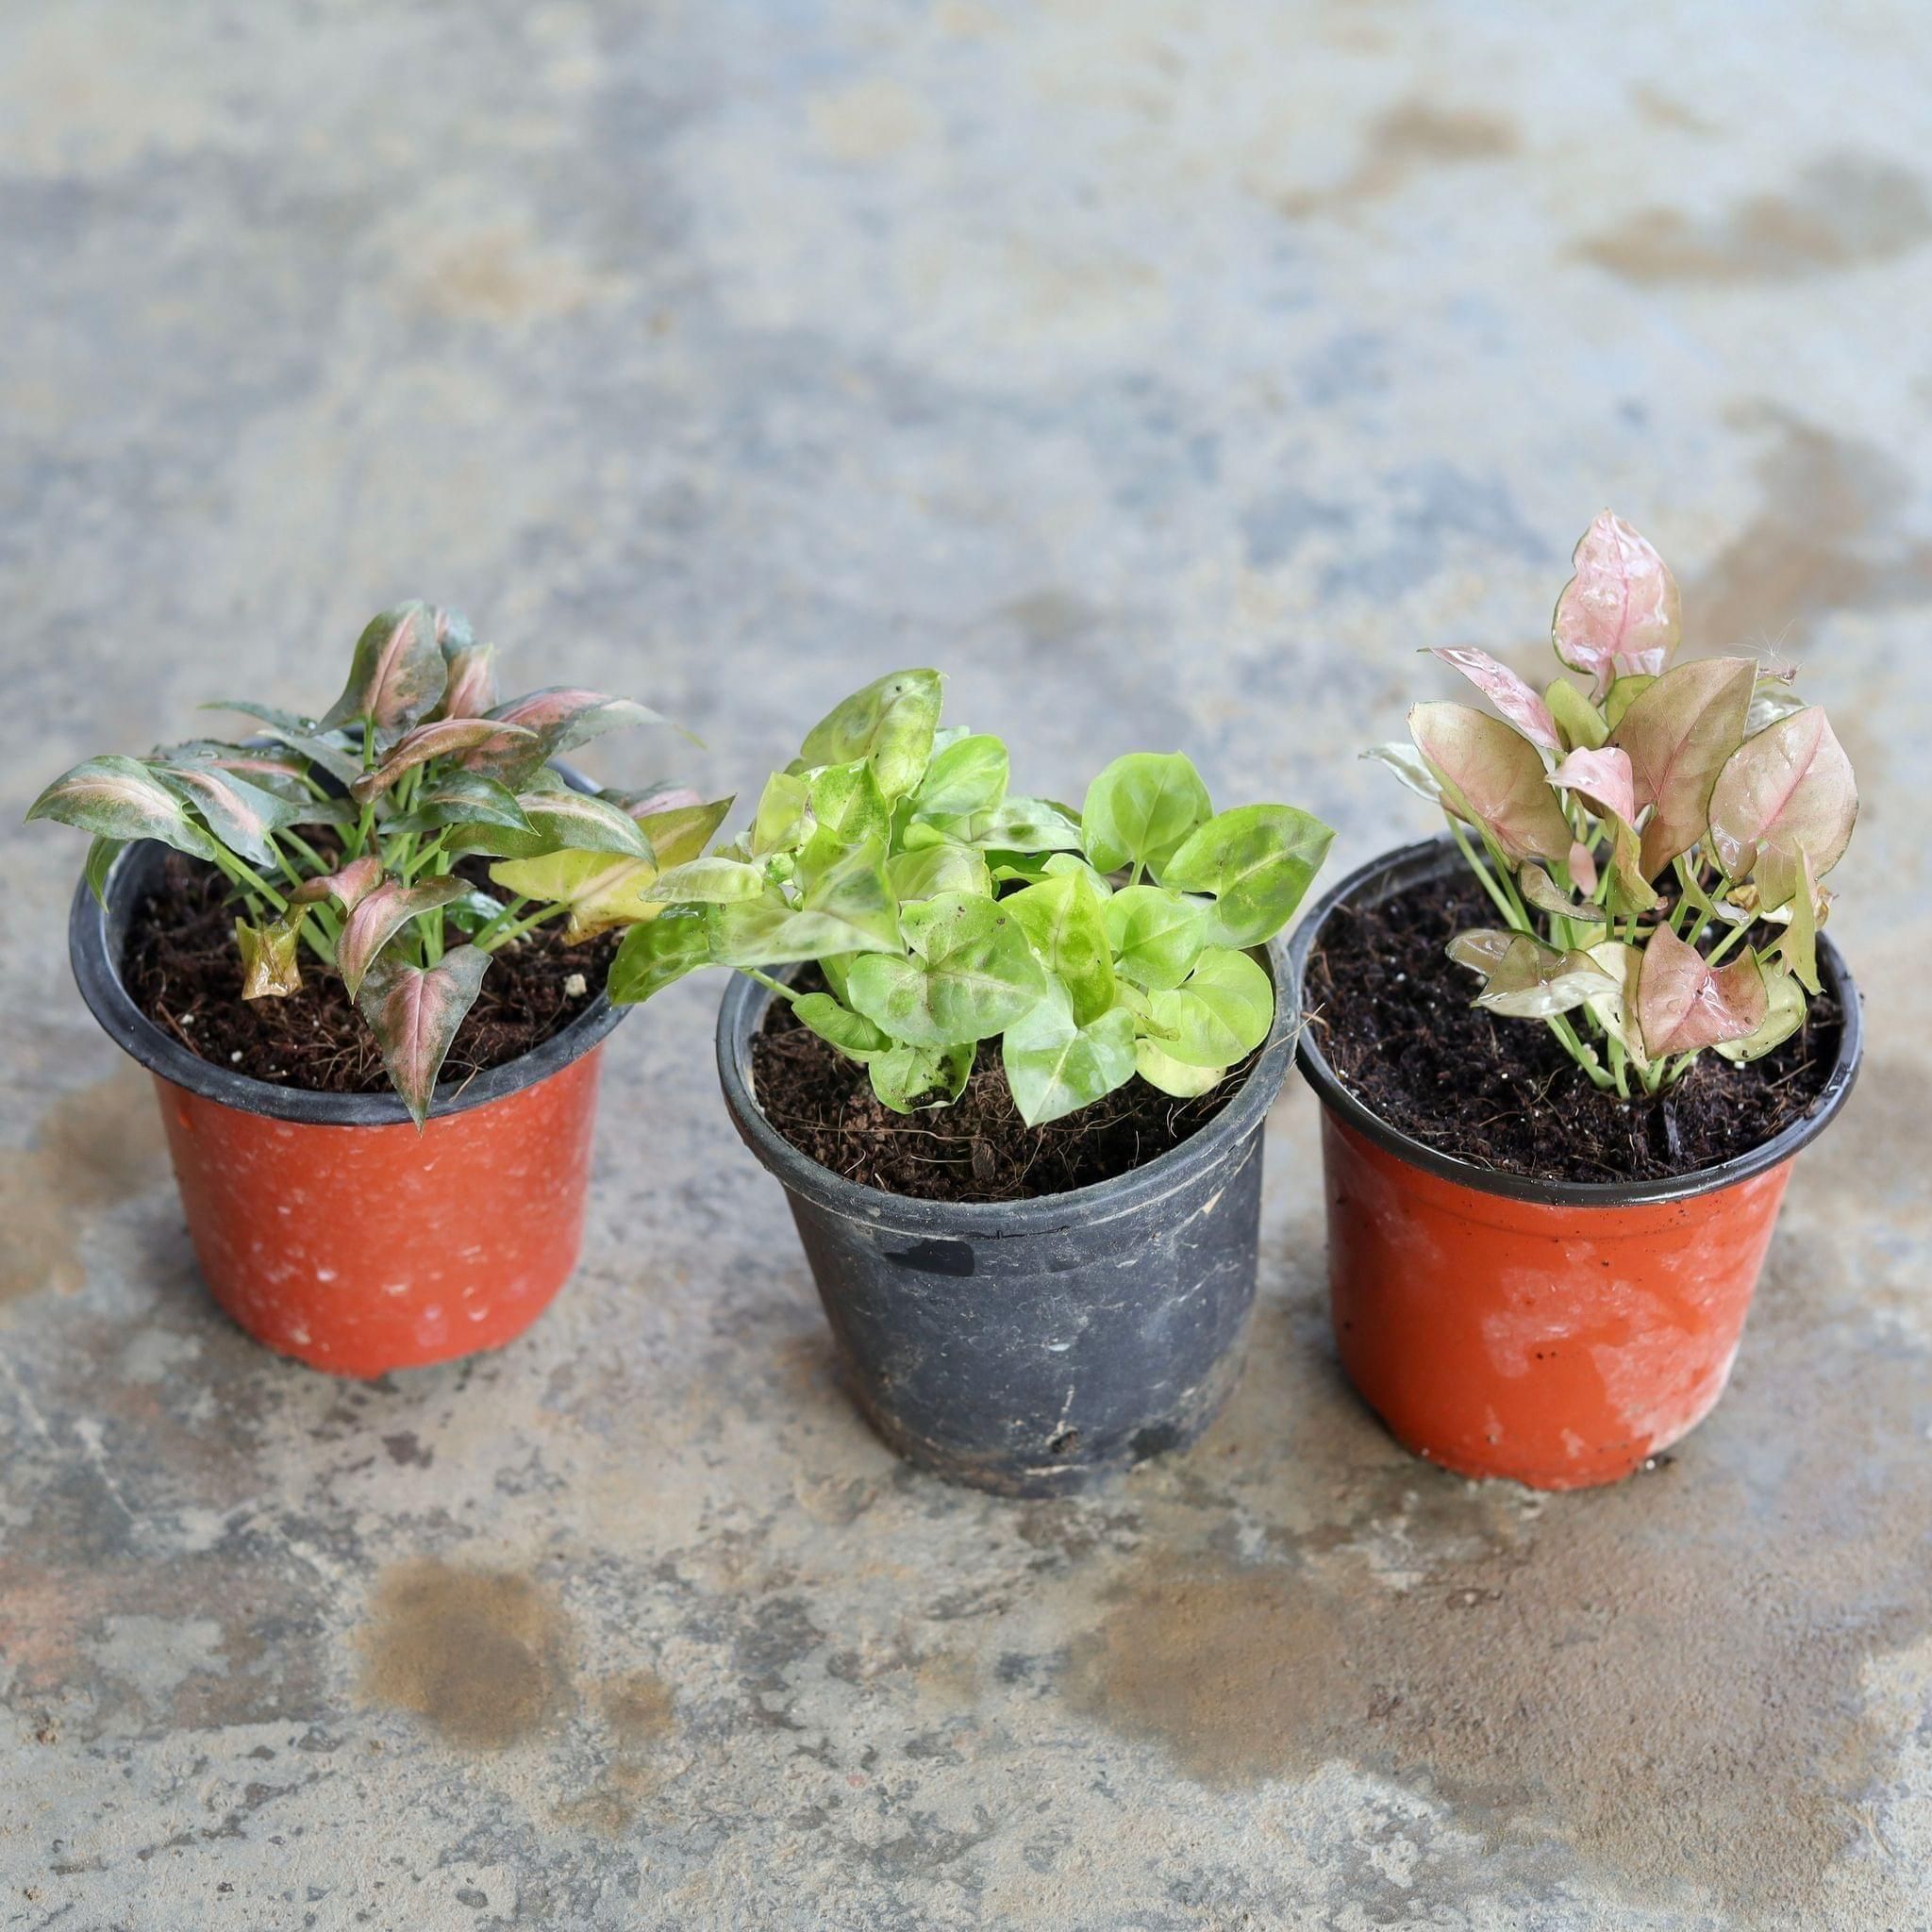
(1167, 372)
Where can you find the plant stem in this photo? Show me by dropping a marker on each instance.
(1620, 1067)
(516, 931)
(777, 985)
(249, 880)
(486, 934)
(1482, 872)
(1730, 939)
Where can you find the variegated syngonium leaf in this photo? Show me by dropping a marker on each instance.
(1256, 861)
(890, 724)
(415, 1013)
(1684, 1004)
(1790, 789)
(1784, 1014)
(379, 915)
(1602, 779)
(1678, 732)
(1140, 809)
(243, 815)
(1525, 980)
(1619, 615)
(116, 797)
(1493, 776)
(1056, 1064)
(563, 717)
(485, 738)
(969, 976)
(1510, 695)
(1408, 765)
(348, 885)
(470, 691)
(1540, 891)
(397, 674)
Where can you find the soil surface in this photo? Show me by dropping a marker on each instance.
(1394, 1018)
(978, 1149)
(183, 971)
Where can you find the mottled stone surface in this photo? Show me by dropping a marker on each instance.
(1169, 374)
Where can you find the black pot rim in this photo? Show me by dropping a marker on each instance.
(97, 972)
(742, 1010)
(1409, 865)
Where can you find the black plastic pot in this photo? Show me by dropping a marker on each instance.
(1559, 1333)
(1031, 1346)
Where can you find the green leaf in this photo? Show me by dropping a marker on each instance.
(1540, 891)
(415, 1013)
(1159, 1069)
(101, 856)
(846, 809)
(397, 674)
(654, 954)
(116, 797)
(320, 746)
(1582, 724)
(677, 832)
(849, 908)
(968, 776)
(909, 1077)
(972, 974)
(780, 824)
(1797, 950)
(1065, 921)
(239, 814)
(1156, 935)
(948, 867)
(379, 915)
(1525, 980)
(852, 1034)
(1258, 862)
(458, 797)
(706, 881)
(1055, 1065)
(1409, 766)
(890, 724)
(1221, 1012)
(601, 889)
(1624, 694)
(1141, 809)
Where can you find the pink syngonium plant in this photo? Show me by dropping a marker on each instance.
(1654, 844)
(415, 766)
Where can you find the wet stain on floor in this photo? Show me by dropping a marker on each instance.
(479, 1656)
(1414, 138)
(95, 1146)
(1842, 212)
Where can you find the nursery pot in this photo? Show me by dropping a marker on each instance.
(324, 1223)
(1555, 1332)
(1028, 1348)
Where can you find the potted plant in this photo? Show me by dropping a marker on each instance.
(297, 937)
(1010, 1062)
(1547, 1211)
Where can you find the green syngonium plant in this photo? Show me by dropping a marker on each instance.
(943, 912)
(1654, 844)
(415, 765)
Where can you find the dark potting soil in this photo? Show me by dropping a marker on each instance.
(978, 1149)
(1394, 1020)
(183, 971)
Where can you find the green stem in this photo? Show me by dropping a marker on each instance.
(765, 979)
(1583, 1055)
(1482, 872)
(486, 933)
(1620, 1067)
(518, 931)
(1730, 939)
(249, 880)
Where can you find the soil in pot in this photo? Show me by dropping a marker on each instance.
(978, 1149)
(1396, 1023)
(183, 971)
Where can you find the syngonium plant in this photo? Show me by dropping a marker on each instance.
(1653, 841)
(943, 912)
(413, 767)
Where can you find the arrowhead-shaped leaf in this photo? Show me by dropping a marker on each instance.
(415, 1012)
(1169, 1075)
(1256, 860)
(1603, 779)
(1065, 921)
(320, 746)
(1683, 1005)
(909, 1077)
(971, 975)
(930, 870)
(1540, 891)
(487, 737)
(1156, 935)
(1056, 1066)
(658, 952)
(1619, 613)
(1578, 720)
(239, 814)
(890, 724)
(1408, 765)
(968, 776)
(707, 882)
(1678, 732)
(116, 797)
(849, 908)
(852, 1034)
(1142, 809)
(348, 885)
(678, 823)
(1784, 1014)
(1525, 978)
(396, 675)
(1220, 1012)
(782, 823)
(1493, 776)
(379, 915)
(1516, 699)
(1788, 789)
(565, 716)
(470, 691)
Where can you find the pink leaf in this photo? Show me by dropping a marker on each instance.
(472, 688)
(1683, 1006)
(1603, 778)
(1517, 701)
(1619, 615)
(565, 716)
(117, 798)
(442, 739)
(348, 886)
(1493, 776)
(1583, 867)
(415, 1013)
(239, 814)
(1790, 789)
(396, 675)
(379, 915)
(1678, 733)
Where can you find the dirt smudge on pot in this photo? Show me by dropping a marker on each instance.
(1844, 212)
(1826, 537)
(1693, 1720)
(95, 1146)
(479, 1656)
(1415, 137)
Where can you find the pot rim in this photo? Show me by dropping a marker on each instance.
(743, 1008)
(1409, 865)
(97, 972)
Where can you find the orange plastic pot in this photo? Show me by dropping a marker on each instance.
(1556, 1333)
(324, 1225)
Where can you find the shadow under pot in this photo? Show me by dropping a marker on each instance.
(1030, 1347)
(1559, 1333)
(324, 1225)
